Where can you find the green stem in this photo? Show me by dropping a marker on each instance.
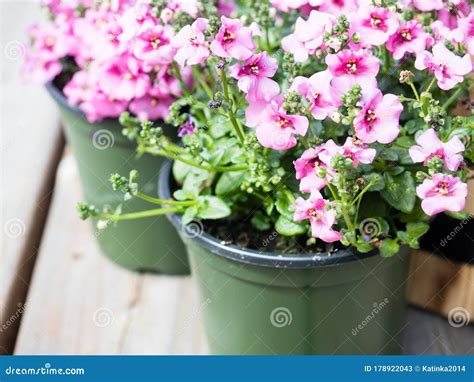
(141, 214)
(430, 85)
(364, 190)
(184, 88)
(388, 60)
(175, 156)
(415, 92)
(451, 98)
(267, 40)
(203, 83)
(150, 199)
(345, 214)
(225, 86)
(305, 141)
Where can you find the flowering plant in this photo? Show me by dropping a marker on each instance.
(112, 56)
(329, 123)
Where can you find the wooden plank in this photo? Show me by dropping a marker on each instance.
(441, 286)
(427, 334)
(31, 147)
(80, 303)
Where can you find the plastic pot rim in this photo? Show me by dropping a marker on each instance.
(60, 98)
(251, 256)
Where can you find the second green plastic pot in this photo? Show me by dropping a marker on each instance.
(268, 303)
(148, 244)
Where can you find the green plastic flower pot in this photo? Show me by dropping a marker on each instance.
(268, 303)
(100, 149)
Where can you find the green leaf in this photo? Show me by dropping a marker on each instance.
(417, 230)
(212, 207)
(260, 221)
(189, 214)
(389, 247)
(268, 205)
(285, 206)
(287, 227)
(399, 191)
(364, 246)
(458, 215)
(229, 181)
(390, 154)
(194, 180)
(180, 170)
(378, 185)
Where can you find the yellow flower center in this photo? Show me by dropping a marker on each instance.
(228, 36)
(375, 21)
(442, 188)
(49, 42)
(155, 42)
(406, 35)
(370, 116)
(283, 122)
(254, 69)
(351, 66)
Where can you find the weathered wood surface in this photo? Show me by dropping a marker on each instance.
(80, 303)
(31, 144)
(441, 286)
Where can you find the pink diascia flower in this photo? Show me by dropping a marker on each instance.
(153, 47)
(351, 68)
(191, 44)
(320, 217)
(122, 78)
(135, 20)
(453, 10)
(431, 146)
(308, 35)
(277, 129)
(336, 7)
(83, 91)
(254, 76)
(374, 25)
(306, 167)
(378, 120)
(428, 5)
(150, 107)
(409, 38)
(442, 193)
(98, 33)
(287, 5)
(321, 96)
(358, 151)
(448, 68)
(50, 44)
(233, 40)
(466, 25)
(441, 33)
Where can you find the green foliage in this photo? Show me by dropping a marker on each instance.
(399, 191)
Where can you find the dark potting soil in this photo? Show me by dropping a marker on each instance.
(239, 231)
(451, 238)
